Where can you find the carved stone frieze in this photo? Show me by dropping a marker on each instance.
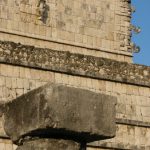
(77, 64)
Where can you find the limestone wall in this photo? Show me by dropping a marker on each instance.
(133, 115)
(6, 144)
(93, 27)
(99, 28)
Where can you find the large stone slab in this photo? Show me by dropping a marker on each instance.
(61, 112)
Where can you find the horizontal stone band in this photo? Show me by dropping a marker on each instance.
(75, 64)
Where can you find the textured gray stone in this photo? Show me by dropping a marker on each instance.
(49, 144)
(61, 112)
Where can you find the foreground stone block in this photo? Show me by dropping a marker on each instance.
(60, 112)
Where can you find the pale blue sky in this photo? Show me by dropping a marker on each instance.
(142, 18)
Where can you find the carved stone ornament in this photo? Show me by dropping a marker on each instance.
(41, 9)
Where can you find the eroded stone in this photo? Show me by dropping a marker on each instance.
(49, 144)
(63, 112)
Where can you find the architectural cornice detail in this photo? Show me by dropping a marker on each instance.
(74, 64)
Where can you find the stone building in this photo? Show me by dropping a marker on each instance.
(85, 45)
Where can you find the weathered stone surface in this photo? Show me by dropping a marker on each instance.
(95, 25)
(77, 64)
(63, 112)
(49, 144)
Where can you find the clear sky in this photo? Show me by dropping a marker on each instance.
(142, 18)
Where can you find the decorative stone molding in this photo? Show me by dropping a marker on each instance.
(42, 9)
(76, 64)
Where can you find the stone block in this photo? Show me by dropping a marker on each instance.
(59, 111)
(2, 146)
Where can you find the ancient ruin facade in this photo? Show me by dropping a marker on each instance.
(84, 48)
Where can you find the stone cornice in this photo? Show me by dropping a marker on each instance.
(75, 64)
(133, 123)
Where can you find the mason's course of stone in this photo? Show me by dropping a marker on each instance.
(67, 79)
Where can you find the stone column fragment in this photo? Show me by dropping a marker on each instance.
(49, 144)
(59, 116)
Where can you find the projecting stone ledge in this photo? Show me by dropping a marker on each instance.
(59, 112)
(75, 64)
